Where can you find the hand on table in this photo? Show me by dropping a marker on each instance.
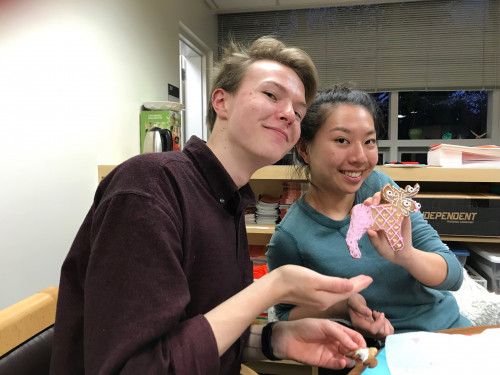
(369, 323)
(316, 342)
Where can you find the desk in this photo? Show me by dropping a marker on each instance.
(358, 369)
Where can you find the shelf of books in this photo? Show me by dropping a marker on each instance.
(274, 181)
(468, 198)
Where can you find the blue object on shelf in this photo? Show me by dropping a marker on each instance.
(460, 252)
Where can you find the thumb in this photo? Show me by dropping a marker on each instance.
(335, 284)
(360, 282)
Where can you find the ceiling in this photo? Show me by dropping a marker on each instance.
(244, 6)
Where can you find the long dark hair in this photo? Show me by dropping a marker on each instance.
(319, 111)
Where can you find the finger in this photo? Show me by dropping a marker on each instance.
(368, 201)
(377, 197)
(387, 328)
(335, 285)
(372, 234)
(348, 338)
(356, 337)
(359, 307)
(361, 310)
(360, 282)
(375, 200)
(378, 325)
(350, 363)
(377, 238)
(362, 325)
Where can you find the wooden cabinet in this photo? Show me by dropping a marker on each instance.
(268, 180)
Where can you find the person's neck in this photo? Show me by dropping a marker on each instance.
(333, 205)
(238, 165)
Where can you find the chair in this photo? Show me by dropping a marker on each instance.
(26, 331)
(247, 371)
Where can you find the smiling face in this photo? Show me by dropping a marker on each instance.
(261, 120)
(344, 151)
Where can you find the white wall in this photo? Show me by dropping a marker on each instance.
(73, 75)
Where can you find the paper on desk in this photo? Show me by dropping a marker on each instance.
(439, 353)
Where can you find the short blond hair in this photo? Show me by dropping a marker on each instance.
(236, 60)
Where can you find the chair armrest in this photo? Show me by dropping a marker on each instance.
(25, 319)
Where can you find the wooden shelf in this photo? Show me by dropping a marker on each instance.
(470, 239)
(439, 174)
(260, 234)
(431, 174)
(268, 180)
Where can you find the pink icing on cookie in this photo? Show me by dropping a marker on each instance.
(386, 217)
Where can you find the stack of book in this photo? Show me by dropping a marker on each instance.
(267, 210)
(250, 214)
(292, 190)
(454, 156)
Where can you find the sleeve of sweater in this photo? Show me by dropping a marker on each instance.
(282, 249)
(425, 238)
(136, 293)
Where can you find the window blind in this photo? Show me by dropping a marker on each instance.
(425, 45)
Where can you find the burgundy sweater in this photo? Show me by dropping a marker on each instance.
(163, 243)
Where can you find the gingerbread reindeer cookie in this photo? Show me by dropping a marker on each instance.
(387, 217)
(364, 355)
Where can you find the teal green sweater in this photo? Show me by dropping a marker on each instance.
(308, 238)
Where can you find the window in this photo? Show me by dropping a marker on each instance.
(382, 99)
(442, 55)
(442, 115)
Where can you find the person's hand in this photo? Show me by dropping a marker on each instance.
(369, 323)
(316, 342)
(381, 244)
(427, 267)
(301, 286)
(375, 200)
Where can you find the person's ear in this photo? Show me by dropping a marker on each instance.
(303, 150)
(219, 102)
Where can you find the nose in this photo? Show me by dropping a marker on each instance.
(287, 113)
(357, 154)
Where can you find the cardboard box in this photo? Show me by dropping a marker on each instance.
(458, 214)
(169, 119)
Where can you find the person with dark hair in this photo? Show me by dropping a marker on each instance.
(159, 279)
(338, 150)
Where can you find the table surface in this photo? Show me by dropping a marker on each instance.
(358, 369)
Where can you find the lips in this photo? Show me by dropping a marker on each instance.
(281, 132)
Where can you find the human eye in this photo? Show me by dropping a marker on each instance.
(371, 141)
(341, 140)
(298, 115)
(270, 95)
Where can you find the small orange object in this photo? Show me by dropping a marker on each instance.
(259, 271)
